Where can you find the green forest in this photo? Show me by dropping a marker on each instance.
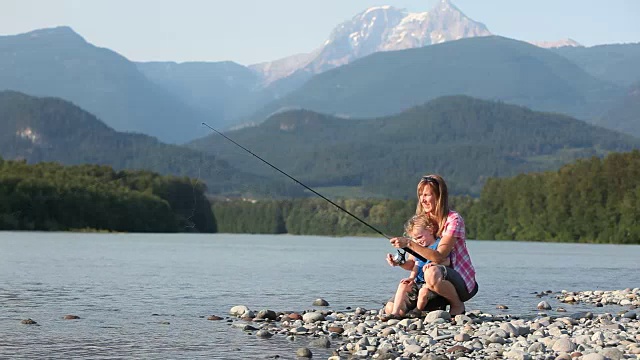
(50, 196)
(593, 200)
(596, 200)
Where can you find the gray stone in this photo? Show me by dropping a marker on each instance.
(238, 310)
(432, 356)
(413, 349)
(543, 305)
(536, 347)
(304, 352)
(523, 330)
(320, 302)
(582, 315)
(300, 330)
(563, 345)
(388, 331)
(266, 315)
(320, 343)
(500, 332)
(593, 356)
(463, 319)
(312, 317)
(629, 315)
(517, 355)
(264, 334)
(510, 329)
(432, 316)
(612, 353)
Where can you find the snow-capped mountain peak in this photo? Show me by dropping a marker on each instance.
(386, 28)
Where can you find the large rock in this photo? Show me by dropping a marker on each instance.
(320, 302)
(563, 345)
(312, 317)
(266, 315)
(543, 305)
(433, 316)
(238, 310)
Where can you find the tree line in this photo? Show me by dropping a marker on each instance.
(50, 196)
(592, 200)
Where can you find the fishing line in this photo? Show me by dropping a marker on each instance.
(317, 193)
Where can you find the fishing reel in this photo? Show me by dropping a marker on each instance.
(399, 258)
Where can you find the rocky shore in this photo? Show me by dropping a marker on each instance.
(363, 333)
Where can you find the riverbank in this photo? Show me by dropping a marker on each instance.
(361, 333)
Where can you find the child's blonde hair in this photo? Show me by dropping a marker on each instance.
(422, 221)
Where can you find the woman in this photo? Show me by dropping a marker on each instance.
(456, 283)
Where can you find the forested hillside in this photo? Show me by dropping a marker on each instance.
(49, 196)
(615, 63)
(468, 139)
(625, 114)
(592, 200)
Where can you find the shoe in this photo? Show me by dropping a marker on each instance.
(415, 313)
(464, 310)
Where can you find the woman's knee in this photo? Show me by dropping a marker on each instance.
(433, 276)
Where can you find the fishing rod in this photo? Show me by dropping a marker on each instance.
(399, 258)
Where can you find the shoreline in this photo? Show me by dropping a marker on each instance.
(364, 236)
(360, 333)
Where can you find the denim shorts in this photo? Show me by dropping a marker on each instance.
(437, 302)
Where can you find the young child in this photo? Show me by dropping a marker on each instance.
(411, 293)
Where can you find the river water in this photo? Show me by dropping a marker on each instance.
(148, 295)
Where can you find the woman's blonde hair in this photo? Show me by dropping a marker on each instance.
(439, 187)
(422, 221)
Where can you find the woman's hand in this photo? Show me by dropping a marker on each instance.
(400, 242)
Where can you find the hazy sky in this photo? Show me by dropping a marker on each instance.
(251, 31)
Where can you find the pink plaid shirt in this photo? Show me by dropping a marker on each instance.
(460, 259)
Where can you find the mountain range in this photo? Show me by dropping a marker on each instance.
(382, 28)
(51, 129)
(490, 67)
(468, 139)
(375, 64)
(60, 63)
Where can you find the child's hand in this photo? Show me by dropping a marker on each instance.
(407, 281)
(390, 260)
